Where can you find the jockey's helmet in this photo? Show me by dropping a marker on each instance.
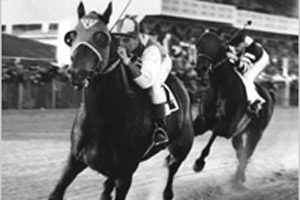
(237, 38)
(241, 39)
(128, 26)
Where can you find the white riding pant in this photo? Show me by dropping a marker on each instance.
(249, 77)
(157, 92)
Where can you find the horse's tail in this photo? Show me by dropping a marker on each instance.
(270, 88)
(268, 93)
(272, 94)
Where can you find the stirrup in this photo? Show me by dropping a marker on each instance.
(157, 145)
(160, 131)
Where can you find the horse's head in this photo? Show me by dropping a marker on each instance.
(210, 51)
(90, 43)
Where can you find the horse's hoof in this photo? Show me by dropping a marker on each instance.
(240, 178)
(198, 166)
(239, 187)
(54, 198)
(168, 195)
(105, 197)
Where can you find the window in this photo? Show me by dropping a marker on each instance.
(26, 27)
(3, 28)
(53, 27)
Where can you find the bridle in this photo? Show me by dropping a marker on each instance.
(93, 46)
(210, 67)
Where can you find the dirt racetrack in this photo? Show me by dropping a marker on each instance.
(35, 144)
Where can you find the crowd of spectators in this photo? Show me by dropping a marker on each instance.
(277, 7)
(180, 40)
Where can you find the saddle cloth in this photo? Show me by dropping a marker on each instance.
(250, 88)
(172, 104)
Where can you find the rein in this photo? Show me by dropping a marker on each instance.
(92, 73)
(212, 66)
(110, 67)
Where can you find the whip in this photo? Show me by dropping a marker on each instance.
(248, 23)
(125, 8)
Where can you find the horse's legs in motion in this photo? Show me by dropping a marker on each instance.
(244, 145)
(174, 160)
(109, 185)
(122, 185)
(173, 166)
(72, 169)
(200, 162)
(239, 144)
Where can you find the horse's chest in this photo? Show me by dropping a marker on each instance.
(99, 158)
(108, 156)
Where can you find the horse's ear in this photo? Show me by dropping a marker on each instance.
(107, 13)
(80, 10)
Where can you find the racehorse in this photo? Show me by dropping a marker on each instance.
(223, 106)
(114, 125)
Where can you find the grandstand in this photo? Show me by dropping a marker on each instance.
(275, 25)
(282, 46)
(276, 7)
(277, 44)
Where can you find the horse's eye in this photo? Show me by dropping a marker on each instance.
(101, 39)
(70, 37)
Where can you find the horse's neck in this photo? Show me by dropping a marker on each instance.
(102, 89)
(227, 84)
(223, 75)
(224, 80)
(106, 96)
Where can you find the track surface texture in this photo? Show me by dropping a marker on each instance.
(35, 144)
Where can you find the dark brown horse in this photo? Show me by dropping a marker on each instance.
(113, 127)
(223, 106)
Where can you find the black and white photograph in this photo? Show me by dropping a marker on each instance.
(149, 99)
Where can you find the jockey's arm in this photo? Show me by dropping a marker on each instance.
(135, 68)
(150, 65)
(244, 64)
(232, 54)
(251, 56)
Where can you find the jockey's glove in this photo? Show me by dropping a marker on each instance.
(243, 67)
(135, 68)
(232, 57)
(123, 55)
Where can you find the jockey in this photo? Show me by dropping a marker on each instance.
(149, 65)
(250, 58)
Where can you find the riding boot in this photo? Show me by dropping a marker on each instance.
(160, 135)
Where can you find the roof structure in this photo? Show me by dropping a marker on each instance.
(25, 49)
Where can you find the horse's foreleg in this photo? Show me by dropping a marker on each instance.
(252, 140)
(199, 125)
(245, 145)
(122, 186)
(109, 185)
(239, 143)
(178, 153)
(173, 165)
(72, 169)
(200, 162)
